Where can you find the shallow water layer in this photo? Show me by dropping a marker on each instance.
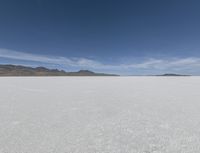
(99, 114)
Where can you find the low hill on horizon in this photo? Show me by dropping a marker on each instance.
(172, 74)
(18, 70)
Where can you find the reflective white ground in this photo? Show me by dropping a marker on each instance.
(100, 115)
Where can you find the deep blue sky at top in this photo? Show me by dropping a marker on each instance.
(101, 29)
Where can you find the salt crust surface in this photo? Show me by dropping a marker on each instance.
(99, 114)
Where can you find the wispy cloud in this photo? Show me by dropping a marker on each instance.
(153, 65)
(10, 54)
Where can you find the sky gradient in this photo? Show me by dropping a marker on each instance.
(114, 36)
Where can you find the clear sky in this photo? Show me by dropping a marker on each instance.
(116, 36)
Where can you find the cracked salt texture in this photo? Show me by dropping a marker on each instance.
(99, 115)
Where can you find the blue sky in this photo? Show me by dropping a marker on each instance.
(114, 36)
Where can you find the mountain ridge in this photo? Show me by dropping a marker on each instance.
(172, 74)
(19, 70)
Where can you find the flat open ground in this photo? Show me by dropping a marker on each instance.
(100, 115)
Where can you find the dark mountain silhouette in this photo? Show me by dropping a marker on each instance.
(18, 70)
(172, 74)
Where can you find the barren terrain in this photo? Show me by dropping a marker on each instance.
(99, 114)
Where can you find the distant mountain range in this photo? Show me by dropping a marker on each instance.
(172, 74)
(17, 70)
